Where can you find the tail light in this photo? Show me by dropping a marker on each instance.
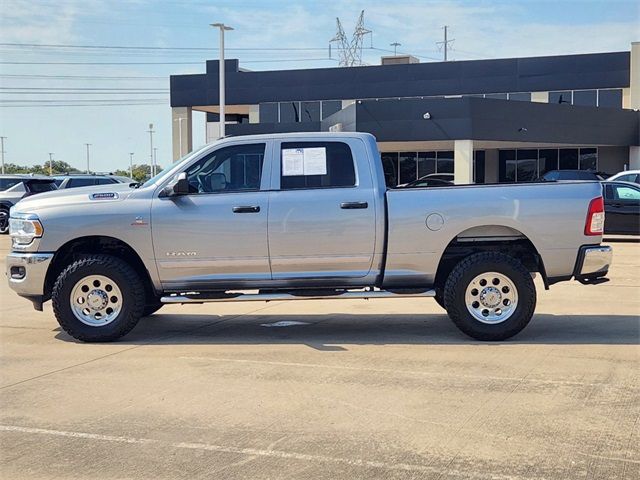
(595, 217)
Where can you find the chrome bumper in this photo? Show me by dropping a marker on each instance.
(26, 272)
(593, 261)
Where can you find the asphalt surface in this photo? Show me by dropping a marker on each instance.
(359, 390)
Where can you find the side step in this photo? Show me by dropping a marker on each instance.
(275, 296)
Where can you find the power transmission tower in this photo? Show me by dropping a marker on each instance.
(395, 46)
(350, 51)
(444, 45)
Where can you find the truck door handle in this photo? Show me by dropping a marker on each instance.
(246, 209)
(353, 205)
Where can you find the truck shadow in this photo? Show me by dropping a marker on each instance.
(336, 331)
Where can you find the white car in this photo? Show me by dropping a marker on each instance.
(626, 176)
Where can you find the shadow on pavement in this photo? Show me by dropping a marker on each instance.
(327, 332)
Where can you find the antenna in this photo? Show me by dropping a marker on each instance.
(444, 45)
(350, 52)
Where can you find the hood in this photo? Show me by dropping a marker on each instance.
(116, 192)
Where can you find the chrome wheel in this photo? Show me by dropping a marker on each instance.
(96, 300)
(491, 297)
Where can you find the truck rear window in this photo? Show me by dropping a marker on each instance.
(40, 186)
(316, 165)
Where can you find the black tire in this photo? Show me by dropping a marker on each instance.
(463, 274)
(127, 280)
(4, 220)
(151, 308)
(439, 298)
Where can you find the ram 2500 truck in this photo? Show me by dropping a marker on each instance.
(300, 216)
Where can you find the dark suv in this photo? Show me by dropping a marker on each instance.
(87, 180)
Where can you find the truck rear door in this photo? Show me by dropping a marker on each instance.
(322, 212)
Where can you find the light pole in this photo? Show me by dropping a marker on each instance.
(2, 139)
(131, 165)
(50, 163)
(88, 145)
(155, 157)
(152, 165)
(222, 28)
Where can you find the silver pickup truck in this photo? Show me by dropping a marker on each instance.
(300, 216)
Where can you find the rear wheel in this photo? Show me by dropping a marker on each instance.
(490, 296)
(99, 298)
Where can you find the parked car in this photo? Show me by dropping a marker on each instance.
(15, 187)
(84, 180)
(622, 208)
(554, 175)
(300, 216)
(427, 181)
(626, 176)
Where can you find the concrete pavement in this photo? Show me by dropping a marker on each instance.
(377, 389)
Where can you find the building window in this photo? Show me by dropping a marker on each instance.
(329, 107)
(507, 166)
(568, 159)
(426, 163)
(268, 113)
(547, 160)
(478, 166)
(585, 98)
(310, 111)
(408, 167)
(610, 98)
(289, 112)
(444, 162)
(526, 165)
(588, 159)
(390, 167)
(520, 96)
(339, 171)
(560, 97)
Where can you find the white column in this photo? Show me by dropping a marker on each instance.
(181, 131)
(463, 162)
(634, 84)
(634, 158)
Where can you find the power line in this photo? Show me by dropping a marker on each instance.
(100, 63)
(129, 47)
(86, 88)
(81, 105)
(81, 77)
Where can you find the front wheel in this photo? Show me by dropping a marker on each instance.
(490, 296)
(98, 298)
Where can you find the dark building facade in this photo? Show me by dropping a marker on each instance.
(507, 120)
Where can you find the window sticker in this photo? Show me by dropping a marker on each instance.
(304, 161)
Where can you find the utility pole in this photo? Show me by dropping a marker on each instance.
(152, 164)
(445, 43)
(88, 145)
(395, 46)
(155, 158)
(2, 139)
(50, 163)
(221, 72)
(131, 165)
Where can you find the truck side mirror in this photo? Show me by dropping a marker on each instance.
(179, 187)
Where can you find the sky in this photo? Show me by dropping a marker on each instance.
(47, 103)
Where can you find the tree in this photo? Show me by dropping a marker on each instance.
(140, 172)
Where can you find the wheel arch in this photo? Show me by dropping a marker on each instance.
(96, 244)
(501, 238)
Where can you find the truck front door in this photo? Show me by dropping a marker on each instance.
(216, 237)
(322, 212)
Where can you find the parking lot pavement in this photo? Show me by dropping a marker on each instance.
(357, 389)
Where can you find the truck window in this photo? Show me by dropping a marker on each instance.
(6, 183)
(81, 182)
(316, 165)
(228, 169)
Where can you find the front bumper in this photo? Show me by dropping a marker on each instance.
(593, 262)
(26, 273)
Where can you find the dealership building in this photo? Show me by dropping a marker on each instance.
(485, 121)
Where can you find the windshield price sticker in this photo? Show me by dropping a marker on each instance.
(304, 161)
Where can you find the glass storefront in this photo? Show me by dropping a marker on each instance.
(525, 165)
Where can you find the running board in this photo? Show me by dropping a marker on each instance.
(273, 297)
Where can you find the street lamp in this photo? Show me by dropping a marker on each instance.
(153, 166)
(50, 163)
(2, 139)
(88, 145)
(131, 165)
(155, 158)
(222, 28)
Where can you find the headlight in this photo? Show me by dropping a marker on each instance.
(24, 228)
